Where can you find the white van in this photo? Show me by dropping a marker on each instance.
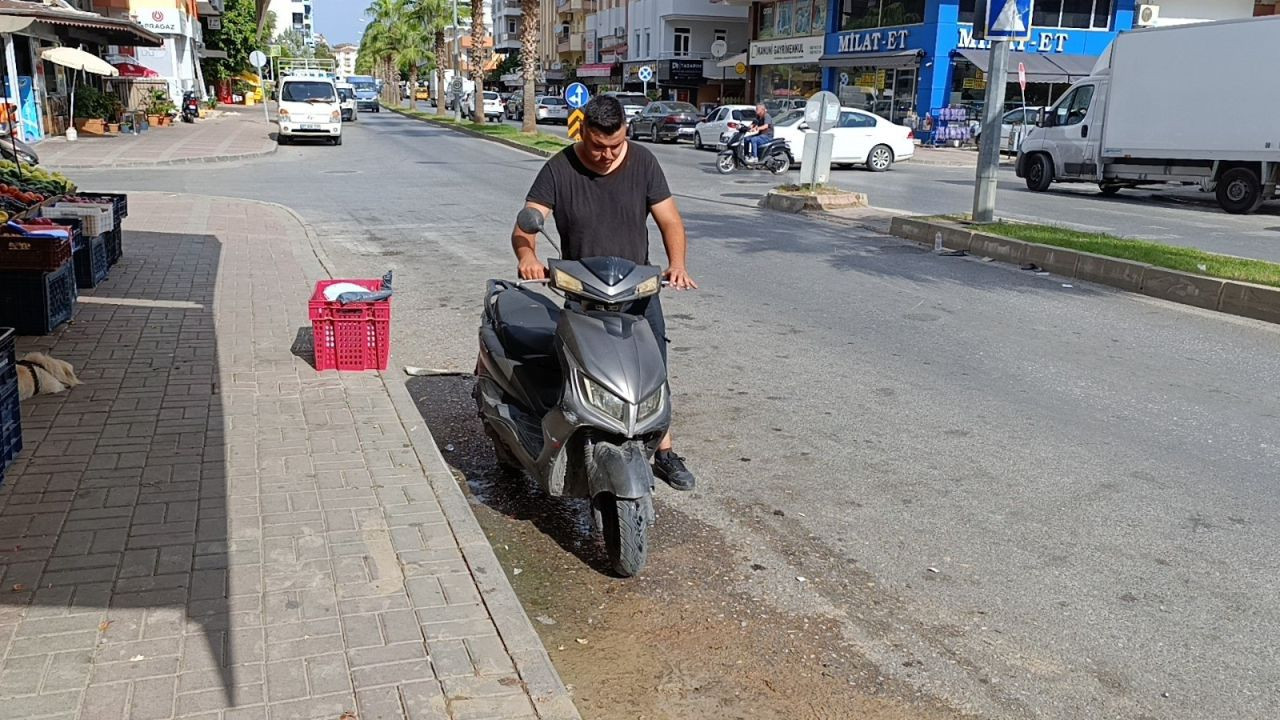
(347, 100)
(309, 108)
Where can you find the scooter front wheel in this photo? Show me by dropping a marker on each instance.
(625, 525)
(725, 163)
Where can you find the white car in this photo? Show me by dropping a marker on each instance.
(861, 138)
(632, 103)
(551, 109)
(709, 132)
(347, 99)
(492, 106)
(309, 108)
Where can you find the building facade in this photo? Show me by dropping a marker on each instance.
(177, 62)
(905, 58)
(345, 56)
(294, 15)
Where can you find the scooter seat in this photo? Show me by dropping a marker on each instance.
(526, 322)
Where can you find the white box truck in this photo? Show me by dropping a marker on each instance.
(1193, 104)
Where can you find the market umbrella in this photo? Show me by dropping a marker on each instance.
(77, 59)
(133, 70)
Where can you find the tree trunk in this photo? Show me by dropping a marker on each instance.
(529, 62)
(441, 110)
(413, 89)
(478, 58)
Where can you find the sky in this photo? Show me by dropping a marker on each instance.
(340, 21)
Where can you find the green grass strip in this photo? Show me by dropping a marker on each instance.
(1172, 257)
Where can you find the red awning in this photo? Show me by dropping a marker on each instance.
(596, 70)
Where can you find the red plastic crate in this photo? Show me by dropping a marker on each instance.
(355, 336)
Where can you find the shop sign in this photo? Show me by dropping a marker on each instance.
(779, 52)
(165, 21)
(681, 71)
(869, 41)
(1082, 42)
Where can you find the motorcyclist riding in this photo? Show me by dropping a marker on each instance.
(761, 132)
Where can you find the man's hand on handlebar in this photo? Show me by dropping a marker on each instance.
(679, 279)
(531, 268)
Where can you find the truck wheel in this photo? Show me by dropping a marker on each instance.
(1239, 191)
(1110, 190)
(1039, 173)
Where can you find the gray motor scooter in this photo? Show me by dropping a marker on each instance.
(577, 396)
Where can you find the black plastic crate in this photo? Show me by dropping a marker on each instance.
(115, 246)
(91, 262)
(10, 409)
(34, 303)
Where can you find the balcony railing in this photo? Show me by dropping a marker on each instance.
(575, 6)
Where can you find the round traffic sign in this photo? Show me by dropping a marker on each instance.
(719, 48)
(645, 73)
(577, 95)
(740, 68)
(257, 58)
(455, 87)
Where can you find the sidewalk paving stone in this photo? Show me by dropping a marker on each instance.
(209, 528)
(235, 133)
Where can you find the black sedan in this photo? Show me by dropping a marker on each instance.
(665, 122)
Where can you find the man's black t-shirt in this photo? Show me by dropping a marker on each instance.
(602, 215)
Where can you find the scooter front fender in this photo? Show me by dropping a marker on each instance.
(621, 470)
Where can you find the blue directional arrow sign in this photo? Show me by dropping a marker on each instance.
(1009, 19)
(577, 95)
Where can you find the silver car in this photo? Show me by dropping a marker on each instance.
(551, 109)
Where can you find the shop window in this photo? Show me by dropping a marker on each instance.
(800, 23)
(863, 14)
(1075, 14)
(855, 120)
(765, 29)
(782, 19)
(681, 46)
(720, 35)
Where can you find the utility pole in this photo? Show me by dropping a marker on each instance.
(984, 196)
(457, 69)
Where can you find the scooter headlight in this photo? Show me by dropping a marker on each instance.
(603, 400)
(652, 404)
(648, 287)
(567, 282)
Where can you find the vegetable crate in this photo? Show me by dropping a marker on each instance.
(91, 262)
(115, 246)
(10, 418)
(355, 336)
(34, 303)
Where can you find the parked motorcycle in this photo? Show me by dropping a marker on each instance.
(577, 397)
(190, 106)
(774, 156)
(11, 148)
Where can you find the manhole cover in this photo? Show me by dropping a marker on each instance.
(341, 172)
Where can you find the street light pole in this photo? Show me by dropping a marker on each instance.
(457, 72)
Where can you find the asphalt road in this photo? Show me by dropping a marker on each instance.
(1024, 499)
(1177, 216)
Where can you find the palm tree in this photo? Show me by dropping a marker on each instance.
(381, 33)
(435, 16)
(478, 57)
(529, 36)
(412, 49)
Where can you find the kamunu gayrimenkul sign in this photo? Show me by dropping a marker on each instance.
(791, 50)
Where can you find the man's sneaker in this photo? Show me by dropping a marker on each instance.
(670, 467)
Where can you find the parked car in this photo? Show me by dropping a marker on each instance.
(719, 121)
(632, 103)
(1021, 117)
(309, 108)
(551, 109)
(422, 93)
(492, 106)
(860, 138)
(665, 122)
(778, 106)
(347, 99)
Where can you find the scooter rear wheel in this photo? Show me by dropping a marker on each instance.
(725, 163)
(625, 525)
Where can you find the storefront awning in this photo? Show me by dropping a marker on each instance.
(732, 62)
(1040, 68)
(213, 53)
(596, 70)
(113, 30)
(1076, 66)
(893, 59)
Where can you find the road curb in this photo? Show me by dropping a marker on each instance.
(474, 134)
(1259, 302)
(171, 163)
(546, 690)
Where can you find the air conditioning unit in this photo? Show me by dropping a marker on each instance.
(620, 31)
(1147, 15)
